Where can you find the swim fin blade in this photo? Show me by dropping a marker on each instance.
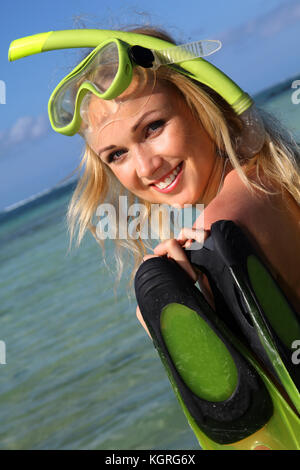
(257, 309)
(229, 402)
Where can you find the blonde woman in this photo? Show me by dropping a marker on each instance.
(160, 134)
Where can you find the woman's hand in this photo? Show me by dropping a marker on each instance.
(173, 248)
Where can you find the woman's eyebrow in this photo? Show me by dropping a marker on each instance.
(132, 130)
(109, 147)
(136, 125)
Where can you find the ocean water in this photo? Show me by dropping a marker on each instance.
(80, 372)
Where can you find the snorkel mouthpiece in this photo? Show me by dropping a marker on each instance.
(29, 45)
(252, 136)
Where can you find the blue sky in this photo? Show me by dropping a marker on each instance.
(260, 40)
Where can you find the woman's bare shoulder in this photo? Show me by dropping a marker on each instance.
(239, 203)
(272, 222)
(256, 210)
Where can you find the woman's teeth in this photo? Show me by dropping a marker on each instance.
(170, 178)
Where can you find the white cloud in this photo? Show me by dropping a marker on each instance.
(26, 128)
(40, 127)
(280, 18)
(267, 25)
(19, 130)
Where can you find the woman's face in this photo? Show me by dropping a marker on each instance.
(161, 154)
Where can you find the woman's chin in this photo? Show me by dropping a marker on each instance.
(183, 199)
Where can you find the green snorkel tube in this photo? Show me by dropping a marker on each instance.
(252, 136)
(199, 69)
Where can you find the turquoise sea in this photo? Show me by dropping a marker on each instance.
(80, 372)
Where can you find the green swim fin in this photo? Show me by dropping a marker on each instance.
(229, 401)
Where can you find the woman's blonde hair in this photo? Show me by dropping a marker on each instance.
(278, 162)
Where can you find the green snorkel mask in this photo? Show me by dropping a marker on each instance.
(114, 61)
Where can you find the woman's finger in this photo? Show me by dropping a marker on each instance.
(189, 234)
(148, 257)
(173, 249)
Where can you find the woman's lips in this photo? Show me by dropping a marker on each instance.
(172, 185)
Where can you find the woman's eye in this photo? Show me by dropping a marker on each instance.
(113, 156)
(154, 126)
(151, 128)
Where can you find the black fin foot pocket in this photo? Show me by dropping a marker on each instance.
(221, 390)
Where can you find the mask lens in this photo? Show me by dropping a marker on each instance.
(98, 69)
(63, 105)
(104, 68)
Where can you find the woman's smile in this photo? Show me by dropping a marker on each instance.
(169, 181)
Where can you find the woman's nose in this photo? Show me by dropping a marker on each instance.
(147, 162)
